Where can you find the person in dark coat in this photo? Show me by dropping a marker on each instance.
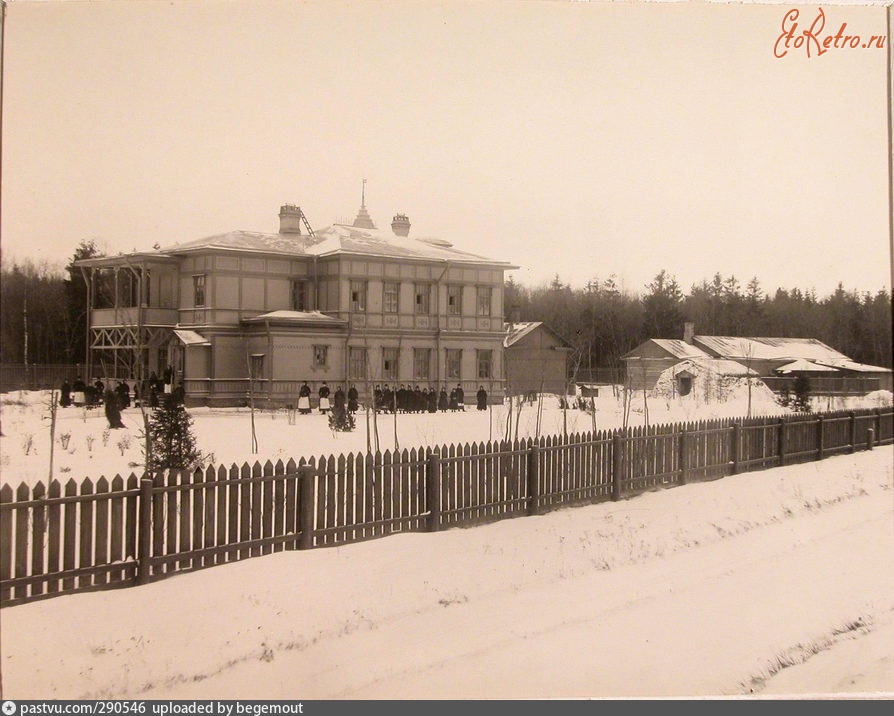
(482, 398)
(304, 399)
(123, 392)
(454, 401)
(443, 401)
(65, 394)
(432, 398)
(324, 398)
(338, 398)
(352, 399)
(79, 389)
(460, 398)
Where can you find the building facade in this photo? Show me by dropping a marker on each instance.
(536, 359)
(254, 313)
(776, 361)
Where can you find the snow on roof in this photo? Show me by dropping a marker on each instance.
(516, 331)
(335, 239)
(847, 364)
(804, 366)
(680, 349)
(295, 317)
(768, 348)
(245, 241)
(191, 338)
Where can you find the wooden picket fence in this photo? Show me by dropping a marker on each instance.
(59, 539)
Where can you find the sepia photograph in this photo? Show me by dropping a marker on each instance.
(457, 350)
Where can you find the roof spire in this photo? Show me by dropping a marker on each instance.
(363, 220)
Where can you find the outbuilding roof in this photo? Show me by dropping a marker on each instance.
(768, 348)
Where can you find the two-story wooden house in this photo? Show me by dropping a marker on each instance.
(349, 304)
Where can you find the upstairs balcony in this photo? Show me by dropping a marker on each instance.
(132, 316)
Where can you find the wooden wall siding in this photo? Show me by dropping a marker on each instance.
(60, 539)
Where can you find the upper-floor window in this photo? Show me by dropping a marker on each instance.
(299, 295)
(391, 297)
(484, 293)
(423, 298)
(321, 356)
(198, 290)
(358, 296)
(454, 300)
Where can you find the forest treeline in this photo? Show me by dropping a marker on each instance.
(602, 322)
(47, 304)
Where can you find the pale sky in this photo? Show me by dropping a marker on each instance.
(579, 139)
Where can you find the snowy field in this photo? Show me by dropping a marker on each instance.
(84, 447)
(768, 583)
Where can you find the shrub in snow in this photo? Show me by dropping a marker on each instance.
(64, 439)
(124, 443)
(341, 421)
(112, 403)
(172, 443)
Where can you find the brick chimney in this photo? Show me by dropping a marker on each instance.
(688, 332)
(400, 225)
(290, 219)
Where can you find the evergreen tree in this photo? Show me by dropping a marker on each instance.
(340, 420)
(801, 402)
(171, 439)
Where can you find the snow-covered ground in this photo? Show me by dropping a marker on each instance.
(774, 582)
(767, 583)
(84, 447)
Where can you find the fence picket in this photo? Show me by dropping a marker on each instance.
(267, 506)
(101, 540)
(279, 505)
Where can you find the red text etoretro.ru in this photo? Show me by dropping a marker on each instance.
(814, 41)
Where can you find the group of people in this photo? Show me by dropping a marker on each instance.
(339, 400)
(80, 393)
(388, 399)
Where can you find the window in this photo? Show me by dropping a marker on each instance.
(299, 296)
(357, 363)
(257, 365)
(358, 296)
(485, 364)
(454, 300)
(454, 361)
(198, 290)
(321, 356)
(391, 297)
(389, 363)
(484, 300)
(423, 298)
(421, 363)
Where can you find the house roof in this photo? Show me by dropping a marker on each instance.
(804, 366)
(191, 338)
(719, 366)
(304, 318)
(849, 365)
(516, 331)
(768, 348)
(333, 240)
(676, 348)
